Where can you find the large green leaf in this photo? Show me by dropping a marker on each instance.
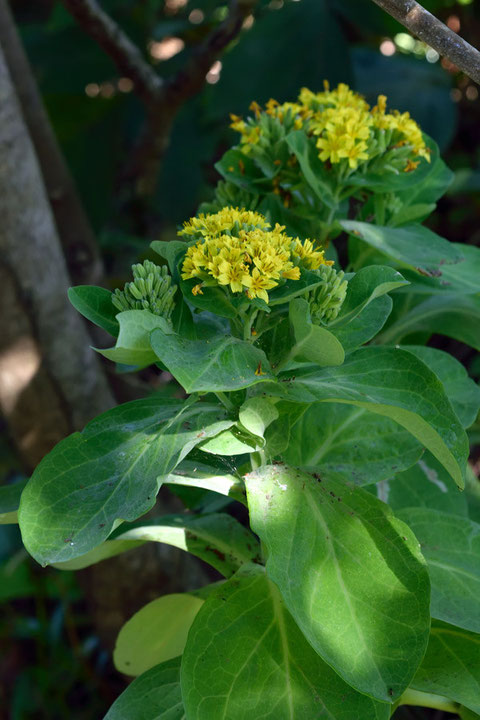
(312, 342)
(451, 546)
(426, 484)
(109, 472)
(156, 633)
(457, 316)
(462, 391)
(221, 363)
(218, 539)
(246, 658)
(392, 383)
(9, 501)
(350, 573)
(451, 666)
(155, 695)
(133, 342)
(350, 441)
(460, 278)
(365, 326)
(413, 245)
(365, 286)
(95, 303)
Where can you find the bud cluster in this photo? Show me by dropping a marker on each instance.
(151, 289)
(327, 299)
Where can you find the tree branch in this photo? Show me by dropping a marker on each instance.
(432, 31)
(191, 78)
(124, 53)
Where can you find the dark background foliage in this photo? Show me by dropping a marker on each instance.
(53, 663)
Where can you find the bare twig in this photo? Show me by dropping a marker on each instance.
(125, 54)
(190, 79)
(428, 28)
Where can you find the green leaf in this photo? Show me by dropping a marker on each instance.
(426, 484)
(350, 442)
(212, 299)
(218, 539)
(366, 285)
(155, 695)
(466, 714)
(313, 169)
(171, 251)
(412, 245)
(392, 383)
(312, 342)
(461, 278)
(246, 658)
(108, 472)
(462, 391)
(451, 546)
(457, 316)
(133, 342)
(221, 363)
(365, 326)
(95, 303)
(256, 414)
(9, 501)
(292, 288)
(201, 475)
(231, 442)
(238, 168)
(349, 572)
(156, 633)
(451, 666)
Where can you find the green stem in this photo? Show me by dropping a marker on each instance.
(421, 699)
(225, 400)
(258, 459)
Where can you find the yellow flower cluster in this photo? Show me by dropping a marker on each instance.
(345, 124)
(238, 249)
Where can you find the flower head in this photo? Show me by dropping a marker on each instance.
(348, 130)
(239, 250)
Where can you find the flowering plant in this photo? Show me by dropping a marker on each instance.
(355, 588)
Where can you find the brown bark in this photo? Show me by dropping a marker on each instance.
(74, 230)
(51, 383)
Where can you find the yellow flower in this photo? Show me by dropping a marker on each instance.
(239, 251)
(258, 285)
(355, 154)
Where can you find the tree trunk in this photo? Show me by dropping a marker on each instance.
(75, 233)
(51, 383)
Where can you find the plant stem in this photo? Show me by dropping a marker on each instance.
(257, 459)
(225, 400)
(421, 699)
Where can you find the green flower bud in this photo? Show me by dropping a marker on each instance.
(327, 299)
(151, 289)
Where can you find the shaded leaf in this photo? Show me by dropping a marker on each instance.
(349, 572)
(246, 658)
(221, 363)
(218, 539)
(95, 303)
(155, 695)
(108, 472)
(392, 383)
(351, 442)
(451, 546)
(413, 245)
(451, 666)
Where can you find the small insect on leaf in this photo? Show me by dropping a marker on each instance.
(258, 371)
